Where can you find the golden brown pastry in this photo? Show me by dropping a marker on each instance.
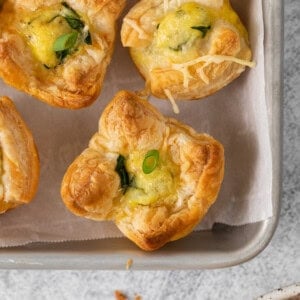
(58, 51)
(154, 176)
(186, 49)
(19, 162)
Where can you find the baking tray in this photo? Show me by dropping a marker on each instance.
(223, 246)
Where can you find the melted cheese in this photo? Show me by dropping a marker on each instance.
(149, 188)
(172, 100)
(207, 59)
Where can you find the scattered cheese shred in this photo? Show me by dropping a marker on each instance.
(172, 100)
(207, 59)
(129, 264)
(133, 24)
(202, 74)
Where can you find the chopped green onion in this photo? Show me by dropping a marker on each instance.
(203, 29)
(150, 161)
(65, 41)
(121, 170)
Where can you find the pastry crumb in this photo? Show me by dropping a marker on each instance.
(120, 296)
(129, 264)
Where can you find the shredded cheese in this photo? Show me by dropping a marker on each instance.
(172, 100)
(135, 26)
(207, 59)
(202, 74)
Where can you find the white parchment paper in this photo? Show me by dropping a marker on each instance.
(236, 116)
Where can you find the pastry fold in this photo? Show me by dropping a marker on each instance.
(153, 176)
(58, 51)
(186, 49)
(19, 162)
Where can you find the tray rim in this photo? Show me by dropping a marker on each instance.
(84, 255)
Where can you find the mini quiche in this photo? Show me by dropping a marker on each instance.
(186, 49)
(19, 162)
(58, 51)
(153, 176)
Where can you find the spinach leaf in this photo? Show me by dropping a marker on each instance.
(74, 23)
(88, 39)
(61, 55)
(121, 170)
(203, 29)
(71, 11)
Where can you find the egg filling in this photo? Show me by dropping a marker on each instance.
(179, 30)
(54, 33)
(149, 188)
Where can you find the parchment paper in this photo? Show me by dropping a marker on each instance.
(236, 116)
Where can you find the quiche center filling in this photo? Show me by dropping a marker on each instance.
(180, 30)
(54, 33)
(148, 185)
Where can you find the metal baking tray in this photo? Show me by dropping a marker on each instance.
(223, 246)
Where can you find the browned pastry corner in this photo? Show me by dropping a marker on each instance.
(19, 162)
(154, 176)
(186, 49)
(58, 51)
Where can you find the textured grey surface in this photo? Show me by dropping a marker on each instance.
(278, 265)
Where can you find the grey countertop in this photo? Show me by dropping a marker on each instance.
(278, 265)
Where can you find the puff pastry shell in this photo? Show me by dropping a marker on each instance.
(73, 84)
(191, 48)
(19, 163)
(128, 126)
